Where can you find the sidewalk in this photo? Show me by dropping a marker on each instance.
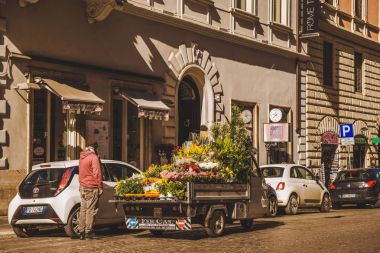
(5, 228)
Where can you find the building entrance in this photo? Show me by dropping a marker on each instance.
(189, 110)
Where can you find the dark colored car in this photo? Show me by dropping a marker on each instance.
(357, 186)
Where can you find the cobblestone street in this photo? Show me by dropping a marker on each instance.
(346, 230)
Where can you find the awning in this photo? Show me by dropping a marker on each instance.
(148, 105)
(74, 99)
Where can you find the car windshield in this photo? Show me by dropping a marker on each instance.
(272, 171)
(353, 175)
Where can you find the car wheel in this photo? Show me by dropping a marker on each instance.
(272, 206)
(292, 206)
(246, 224)
(24, 231)
(216, 224)
(326, 204)
(72, 226)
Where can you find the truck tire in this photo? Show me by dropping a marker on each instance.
(272, 206)
(292, 206)
(72, 226)
(326, 204)
(247, 224)
(156, 232)
(24, 231)
(216, 224)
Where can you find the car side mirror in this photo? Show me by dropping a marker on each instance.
(317, 178)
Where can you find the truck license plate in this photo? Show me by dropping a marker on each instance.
(34, 210)
(159, 224)
(347, 196)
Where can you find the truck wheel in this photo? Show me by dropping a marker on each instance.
(156, 232)
(72, 226)
(246, 224)
(24, 231)
(336, 206)
(326, 204)
(292, 207)
(272, 206)
(216, 224)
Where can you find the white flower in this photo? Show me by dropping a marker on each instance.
(208, 165)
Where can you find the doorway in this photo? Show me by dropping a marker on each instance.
(189, 110)
(328, 156)
(360, 150)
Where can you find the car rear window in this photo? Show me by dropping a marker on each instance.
(43, 183)
(272, 171)
(353, 175)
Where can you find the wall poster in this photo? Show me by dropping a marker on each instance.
(98, 131)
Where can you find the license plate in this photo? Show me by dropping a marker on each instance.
(34, 210)
(346, 196)
(159, 224)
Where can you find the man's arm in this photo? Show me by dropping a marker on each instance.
(97, 172)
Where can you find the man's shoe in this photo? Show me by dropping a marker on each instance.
(82, 236)
(90, 236)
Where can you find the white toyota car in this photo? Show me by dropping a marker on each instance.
(49, 195)
(296, 187)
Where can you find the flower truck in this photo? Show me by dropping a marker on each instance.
(211, 181)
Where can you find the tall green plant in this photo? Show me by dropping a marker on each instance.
(233, 147)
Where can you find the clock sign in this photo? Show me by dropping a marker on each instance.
(246, 116)
(275, 115)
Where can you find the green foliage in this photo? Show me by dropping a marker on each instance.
(176, 188)
(133, 185)
(233, 147)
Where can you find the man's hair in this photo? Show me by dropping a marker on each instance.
(92, 143)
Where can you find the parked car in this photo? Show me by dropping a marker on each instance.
(296, 187)
(272, 201)
(49, 195)
(358, 186)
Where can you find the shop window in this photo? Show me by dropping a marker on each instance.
(358, 61)
(249, 115)
(117, 112)
(246, 5)
(133, 136)
(48, 136)
(279, 153)
(280, 12)
(327, 64)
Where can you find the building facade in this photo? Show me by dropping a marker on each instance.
(140, 76)
(340, 85)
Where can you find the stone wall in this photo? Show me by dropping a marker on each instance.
(340, 102)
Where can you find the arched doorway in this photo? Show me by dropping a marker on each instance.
(189, 109)
(329, 145)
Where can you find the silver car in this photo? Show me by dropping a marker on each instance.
(296, 187)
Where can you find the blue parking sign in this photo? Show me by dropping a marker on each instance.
(346, 131)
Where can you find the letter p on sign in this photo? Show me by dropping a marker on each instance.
(346, 131)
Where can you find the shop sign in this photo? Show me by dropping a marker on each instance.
(276, 132)
(347, 141)
(360, 139)
(310, 18)
(330, 137)
(375, 140)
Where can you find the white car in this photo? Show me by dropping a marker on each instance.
(49, 195)
(296, 187)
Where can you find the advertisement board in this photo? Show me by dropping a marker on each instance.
(276, 132)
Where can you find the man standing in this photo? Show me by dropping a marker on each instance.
(91, 187)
